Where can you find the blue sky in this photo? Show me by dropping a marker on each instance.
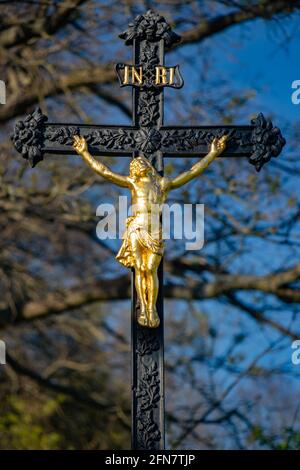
(260, 55)
(269, 63)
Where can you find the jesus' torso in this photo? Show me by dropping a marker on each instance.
(148, 195)
(147, 192)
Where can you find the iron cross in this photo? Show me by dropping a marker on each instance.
(34, 137)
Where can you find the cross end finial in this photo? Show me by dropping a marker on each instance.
(150, 26)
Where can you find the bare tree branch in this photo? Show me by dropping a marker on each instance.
(75, 79)
(39, 27)
(119, 289)
(264, 9)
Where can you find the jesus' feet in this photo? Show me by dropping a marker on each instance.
(142, 318)
(153, 318)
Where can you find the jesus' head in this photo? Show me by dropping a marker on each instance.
(140, 166)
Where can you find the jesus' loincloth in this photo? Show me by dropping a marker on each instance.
(147, 239)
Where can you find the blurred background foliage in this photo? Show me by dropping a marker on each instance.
(231, 309)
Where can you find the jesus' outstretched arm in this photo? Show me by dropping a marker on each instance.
(81, 148)
(216, 148)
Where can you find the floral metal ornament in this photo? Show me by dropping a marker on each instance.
(151, 27)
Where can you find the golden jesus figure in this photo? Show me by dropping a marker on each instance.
(142, 247)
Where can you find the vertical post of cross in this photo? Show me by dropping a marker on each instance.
(148, 34)
(148, 427)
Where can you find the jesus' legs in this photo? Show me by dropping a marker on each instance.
(153, 262)
(139, 279)
(139, 285)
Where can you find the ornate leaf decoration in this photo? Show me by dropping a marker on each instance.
(28, 136)
(152, 27)
(117, 139)
(62, 135)
(148, 390)
(267, 141)
(148, 140)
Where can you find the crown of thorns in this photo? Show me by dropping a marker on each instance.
(138, 160)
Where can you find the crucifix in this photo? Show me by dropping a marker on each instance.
(147, 141)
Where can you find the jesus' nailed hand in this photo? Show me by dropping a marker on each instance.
(142, 247)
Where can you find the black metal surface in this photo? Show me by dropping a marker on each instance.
(148, 407)
(34, 138)
(148, 344)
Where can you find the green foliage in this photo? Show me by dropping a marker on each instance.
(22, 424)
(288, 440)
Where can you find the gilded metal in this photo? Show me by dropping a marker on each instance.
(142, 248)
(150, 76)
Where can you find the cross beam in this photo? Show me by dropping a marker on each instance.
(34, 137)
(258, 142)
